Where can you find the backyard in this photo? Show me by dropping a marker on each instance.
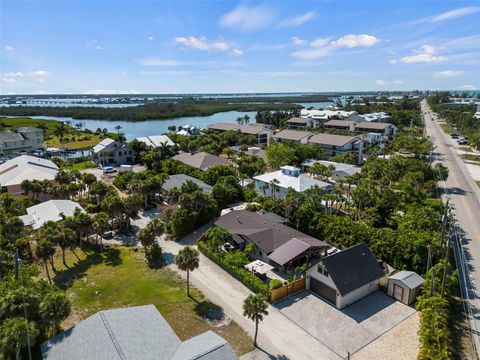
(120, 277)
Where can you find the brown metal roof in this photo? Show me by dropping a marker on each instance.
(343, 123)
(329, 139)
(372, 125)
(298, 120)
(269, 236)
(201, 161)
(252, 129)
(292, 135)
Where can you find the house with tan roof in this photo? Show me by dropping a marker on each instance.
(301, 123)
(340, 125)
(201, 161)
(339, 144)
(292, 136)
(261, 132)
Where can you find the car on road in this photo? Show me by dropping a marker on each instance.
(108, 170)
(454, 135)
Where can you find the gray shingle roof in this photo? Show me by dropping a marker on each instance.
(135, 333)
(252, 129)
(176, 181)
(201, 161)
(409, 278)
(292, 135)
(352, 268)
(8, 136)
(329, 139)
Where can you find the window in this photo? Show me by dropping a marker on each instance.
(322, 270)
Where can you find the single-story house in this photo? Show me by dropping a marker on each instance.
(342, 170)
(138, 332)
(346, 276)
(324, 115)
(109, 152)
(302, 123)
(14, 171)
(156, 141)
(202, 161)
(404, 286)
(52, 210)
(339, 144)
(261, 132)
(275, 184)
(355, 118)
(340, 125)
(27, 138)
(187, 130)
(277, 244)
(376, 117)
(176, 181)
(293, 135)
(252, 151)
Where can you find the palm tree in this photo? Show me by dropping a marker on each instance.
(118, 127)
(54, 308)
(101, 224)
(274, 183)
(16, 334)
(66, 240)
(60, 130)
(255, 307)
(187, 260)
(45, 250)
(42, 127)
(264, 187)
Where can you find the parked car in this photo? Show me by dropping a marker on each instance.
(462, 142)
(109, 169)
(454, 135)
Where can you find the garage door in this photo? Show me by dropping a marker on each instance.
(323, 290)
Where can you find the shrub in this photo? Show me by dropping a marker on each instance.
(154, 255)
(275, 284)
(244, 276)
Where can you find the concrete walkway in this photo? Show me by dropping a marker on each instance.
(279, 337)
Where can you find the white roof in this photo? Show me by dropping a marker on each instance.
(259, 266)
(26, 167)
(102, 145)
(325, 114)
(298, 183)
(49, 211)
(156, 140)
(348, 168)
(409, 278)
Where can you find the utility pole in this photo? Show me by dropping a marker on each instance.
(446, 263)
(17, 264)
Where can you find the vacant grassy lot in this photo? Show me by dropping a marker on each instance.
(74, 139)
(81, 165)
(120, 277)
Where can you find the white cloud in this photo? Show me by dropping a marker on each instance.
(248, 18)
(14, 74)
(319, 42)
(312, 53)
(37, 76)
(8, 48)
(151, 38)
(426, 54)
(110, 91)
(380, 82)
(392, 61)
(158, 62)
(202, 43)
(467, 87)
(299, 20)
(98, 47)
(448, 74)
(9, 80)
(453, 14)
(353, 40)
(297, 41)
(398, 82)
(94, 44)
(236, 52)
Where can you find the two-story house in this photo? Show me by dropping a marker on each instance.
(109, 152)
(23, 139)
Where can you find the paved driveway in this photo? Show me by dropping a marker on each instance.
(346, 330)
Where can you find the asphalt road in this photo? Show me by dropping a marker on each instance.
(464, 197)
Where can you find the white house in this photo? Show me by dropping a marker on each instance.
(324, 115)
(22, 139)
(156, 141)
(341, 171)
(346, 276)
(275, 184)
(338, 144)
(109, 152)
(51, 210)
(302, 123)
(13, 172)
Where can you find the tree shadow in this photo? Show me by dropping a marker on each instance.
(271, 356)
(65, 278)
(208, 310)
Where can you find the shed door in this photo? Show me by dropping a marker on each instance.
(323, 290)
(398, 292)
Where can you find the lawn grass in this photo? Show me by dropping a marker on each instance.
(471, 157)
(81, 165)
(74, 139)
(120, 277)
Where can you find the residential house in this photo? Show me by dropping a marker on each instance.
(156, 141)
(138, 332)
(341, 170)
(13, 172)
(477, 113)
(277, 244)
(292, 136)
(302, 123)
(24, 139)
(346, 276)
(345, 125)
(188, 130)
(202, 161)
(339, 144)
(178, 180)
(325, 115)
(275, 184)
(385, 129)
(52, 210)
(261, 132)
(109, 152)
(376, 117)
(252, 151)
(405, 286)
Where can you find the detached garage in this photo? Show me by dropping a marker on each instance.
(345, 277)
(404, 286)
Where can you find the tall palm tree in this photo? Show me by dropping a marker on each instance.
(118, 127)
(255, 307)
(187, 260)
(16, 334)
(101, 223)
(274, 183)
(45, 250)
(60, 130)
(54, 308)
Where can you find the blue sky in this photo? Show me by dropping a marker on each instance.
(229, 46)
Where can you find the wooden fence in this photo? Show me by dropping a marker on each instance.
(287, 290)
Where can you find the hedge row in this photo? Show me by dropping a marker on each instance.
(244, 276)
